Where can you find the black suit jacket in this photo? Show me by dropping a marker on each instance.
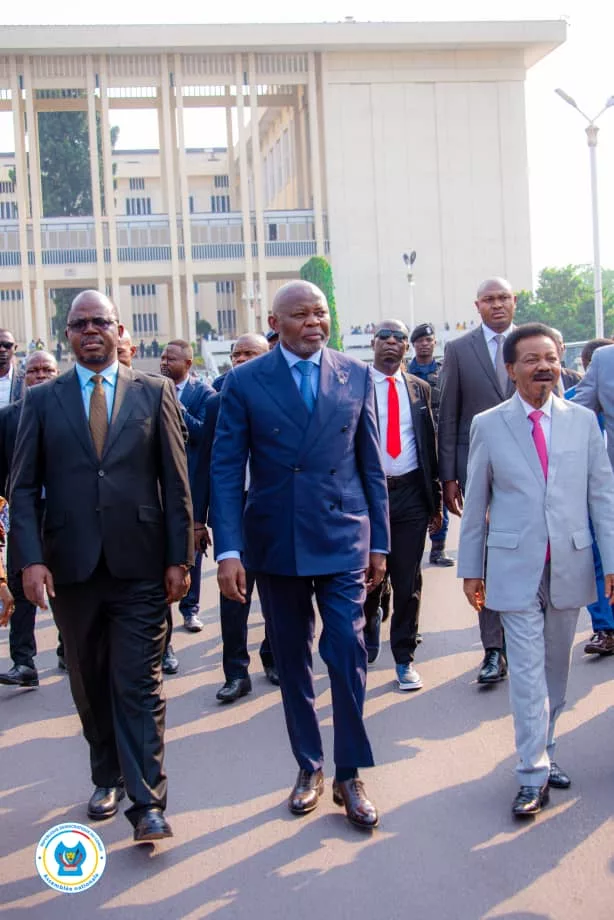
(569, 378)
(201, 484)
(9, 420)
(133, 505)
(419, 393)
(193, 403)
(468, 385)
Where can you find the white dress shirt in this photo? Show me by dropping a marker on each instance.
(545, 421)
(408, 458)
(180, 387)
(6, 383)
(489, 335)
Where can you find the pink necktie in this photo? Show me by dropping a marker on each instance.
(539, 440)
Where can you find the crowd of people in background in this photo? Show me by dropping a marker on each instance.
(320, 478)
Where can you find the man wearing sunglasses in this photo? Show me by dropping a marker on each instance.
(11, 381)
(473, 379)
(106, 444)
(407, 440)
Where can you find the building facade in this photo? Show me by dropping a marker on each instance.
(354, 141)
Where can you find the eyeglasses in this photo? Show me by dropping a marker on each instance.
(99, 322)
(396, 334)
(7, 345)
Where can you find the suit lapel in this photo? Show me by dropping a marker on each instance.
(187, 394)
(482, 353)
(516, 418)
(330, 377)
(68, 393)
(122, 405)
(276, 377)
(560, 434)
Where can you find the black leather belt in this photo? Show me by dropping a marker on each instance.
(397, 482)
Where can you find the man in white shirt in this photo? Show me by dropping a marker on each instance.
(473, 379)
(407, 441)
(536, 472)
(11, 382)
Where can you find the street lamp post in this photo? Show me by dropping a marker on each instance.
(592, 132)
(409, 259)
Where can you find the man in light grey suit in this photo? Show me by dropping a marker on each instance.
(537, 469)
(474, 379)
(596, 391)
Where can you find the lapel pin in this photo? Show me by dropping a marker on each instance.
(342, 377)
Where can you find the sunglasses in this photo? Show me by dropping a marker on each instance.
(99, 322)
(395, 333)
(7, 345)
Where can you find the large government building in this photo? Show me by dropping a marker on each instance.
(354, 141)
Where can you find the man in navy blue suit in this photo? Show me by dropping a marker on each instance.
(315, 523)
(192, 393)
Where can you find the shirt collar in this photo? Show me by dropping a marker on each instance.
(179, 386)
(528, 408)
(109, 374)
(293, 359)
(378, 376)
(489, 333)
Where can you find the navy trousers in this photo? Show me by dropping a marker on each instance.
(233, 616)
(190, 604)
(288, 608)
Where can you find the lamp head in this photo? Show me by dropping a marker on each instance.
(566, 98)
(610, 102)
(409, 259)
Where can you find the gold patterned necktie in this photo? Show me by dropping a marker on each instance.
(99, 422)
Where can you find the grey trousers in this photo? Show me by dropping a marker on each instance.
(538, 642)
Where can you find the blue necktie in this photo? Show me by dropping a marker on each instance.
(305, 369)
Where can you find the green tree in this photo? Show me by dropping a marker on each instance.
(62, 299)
(318, 271)
(564, 299)
(204, 327)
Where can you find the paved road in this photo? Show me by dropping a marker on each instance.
(447, 849)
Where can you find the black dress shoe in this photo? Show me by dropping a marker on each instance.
(233, 689)
(105, 802)
(494, 667)
(306, 792)
(439, 557)
(557, 779)
(151, 825)
(360, 811)
(372, 636)
(170, 662)
(62, 663)
(20, 675)
(270, 672)
(530, 800)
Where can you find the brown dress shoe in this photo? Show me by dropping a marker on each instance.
(306, 792)
(360, 811)
(602, 643)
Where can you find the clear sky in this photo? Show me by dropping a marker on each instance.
(558, 155)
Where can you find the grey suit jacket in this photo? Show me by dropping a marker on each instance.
(510, 508)
(596, 390)
(468, 385)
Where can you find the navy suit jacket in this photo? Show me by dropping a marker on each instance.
(194, 398)
(317, 501)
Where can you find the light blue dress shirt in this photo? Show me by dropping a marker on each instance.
(109, 378)
(293, 360)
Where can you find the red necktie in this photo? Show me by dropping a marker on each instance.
(541, 447)
(393, 435)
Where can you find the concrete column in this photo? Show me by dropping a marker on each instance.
(232, 178)
(40, 323)
(185, 203)
(107, 175)
(21, 189)
(244, 189)
(299, 153)
(258, 198)
(167, 114)
(95, 171)
(314, 151)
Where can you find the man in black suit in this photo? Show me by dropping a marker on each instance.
(11, 380)
(407, 439)
(40, 367)
(105, 443)
(192, 395)
(473, 379)
(233, 614)
(569, 377)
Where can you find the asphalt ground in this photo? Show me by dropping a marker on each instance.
(447, 848)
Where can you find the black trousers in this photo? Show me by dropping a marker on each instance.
(22, 641)
(233, 615)
(409, 517)
(114, 631)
